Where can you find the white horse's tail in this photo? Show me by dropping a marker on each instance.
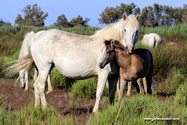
(24, 64)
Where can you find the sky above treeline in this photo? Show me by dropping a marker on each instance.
(9, 9)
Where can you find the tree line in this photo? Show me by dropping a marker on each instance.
(151, 16)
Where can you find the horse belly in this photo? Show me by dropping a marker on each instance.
(76, 65)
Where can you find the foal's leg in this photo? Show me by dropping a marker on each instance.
(26, 80)
(50, 88)
(139, 81)
(122, 87)
(117, 87)
(102, 77)
(129, 88)
(145, 84)
(149, 82)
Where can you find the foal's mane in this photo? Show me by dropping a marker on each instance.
(115, 30)
(114, 43)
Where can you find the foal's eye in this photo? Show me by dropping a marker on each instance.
(124, 30)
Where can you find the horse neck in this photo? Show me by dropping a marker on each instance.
(122, 57)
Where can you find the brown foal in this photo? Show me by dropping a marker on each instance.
(136, 66)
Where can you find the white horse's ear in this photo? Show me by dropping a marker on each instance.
(138, 17)
(124, 16)
(112, 42)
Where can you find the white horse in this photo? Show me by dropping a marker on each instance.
(77, 56)
(24, 74)
(152, 40)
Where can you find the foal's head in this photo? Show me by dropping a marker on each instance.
(109, 52)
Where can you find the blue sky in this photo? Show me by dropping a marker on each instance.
(72, 8)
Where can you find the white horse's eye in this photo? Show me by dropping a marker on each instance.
(124, 30)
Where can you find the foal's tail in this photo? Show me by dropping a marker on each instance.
(149, 76)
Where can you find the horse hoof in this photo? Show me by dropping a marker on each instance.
(49, 91)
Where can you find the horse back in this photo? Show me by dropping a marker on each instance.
(146, 57)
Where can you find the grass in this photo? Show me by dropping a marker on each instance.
(30, 115)
(133, 111)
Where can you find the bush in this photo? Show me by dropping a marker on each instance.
(181, 95)
(86, 88)
(170, 85)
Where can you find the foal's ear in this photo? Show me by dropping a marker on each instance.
(138, 17)
(106, 42)
(124, 16)
(112, 43)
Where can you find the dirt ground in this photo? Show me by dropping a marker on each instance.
(64, 104)
(60, 100)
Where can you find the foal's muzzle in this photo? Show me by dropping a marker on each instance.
(102, 64)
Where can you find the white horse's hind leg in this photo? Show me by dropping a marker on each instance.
(50, 88)
(26, 80)
(35, 74)
(102, 77)
(39, 87)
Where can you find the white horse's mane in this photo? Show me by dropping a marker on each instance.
(115, 30)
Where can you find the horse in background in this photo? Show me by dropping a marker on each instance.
(77, 56)
(136, 66)
(24, 74)
(152, 40)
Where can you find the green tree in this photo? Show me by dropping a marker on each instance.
(78, 21)
(137, 11)
(109, 15)
(177, 15)
(158, 14)
(184, 17)
(62, 21)
(2, 23)
(33, 16)
(150, 17)
(143, 17)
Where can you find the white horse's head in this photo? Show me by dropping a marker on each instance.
(125, 30)
(130, 29)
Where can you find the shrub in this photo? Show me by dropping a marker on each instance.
(170, 85)
(86, 88)
(181, 95)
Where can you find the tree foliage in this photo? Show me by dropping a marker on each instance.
(33, 16)
(62, 21)
(78, 21)
(2, 23)
(150, 16)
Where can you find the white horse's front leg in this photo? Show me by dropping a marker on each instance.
(102, 77)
